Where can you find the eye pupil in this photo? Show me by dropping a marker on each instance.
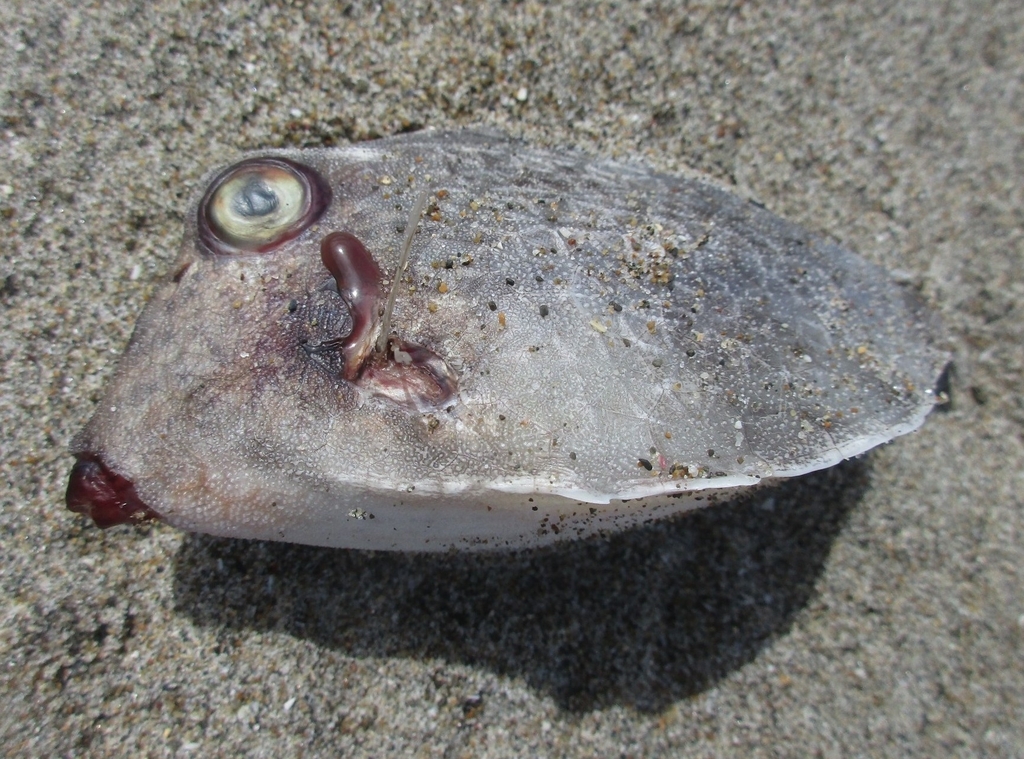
(255, 199)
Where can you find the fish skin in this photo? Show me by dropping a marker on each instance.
(626, 344)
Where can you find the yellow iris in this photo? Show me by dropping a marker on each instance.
(257, 204)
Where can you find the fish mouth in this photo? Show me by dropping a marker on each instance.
(95, 490)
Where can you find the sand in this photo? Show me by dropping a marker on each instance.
(874, 609)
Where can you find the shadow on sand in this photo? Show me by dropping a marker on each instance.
(643, 618)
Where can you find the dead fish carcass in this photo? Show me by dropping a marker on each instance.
(550, 346)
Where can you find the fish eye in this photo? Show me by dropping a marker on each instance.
(260, 203)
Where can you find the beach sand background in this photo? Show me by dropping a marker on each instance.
(873, 609)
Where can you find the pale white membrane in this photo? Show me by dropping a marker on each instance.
(510, 515)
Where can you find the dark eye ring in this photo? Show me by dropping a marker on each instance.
(260, 203)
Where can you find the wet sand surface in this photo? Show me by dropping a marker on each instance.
(872, 609)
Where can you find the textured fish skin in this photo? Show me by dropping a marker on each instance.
(625, 344)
